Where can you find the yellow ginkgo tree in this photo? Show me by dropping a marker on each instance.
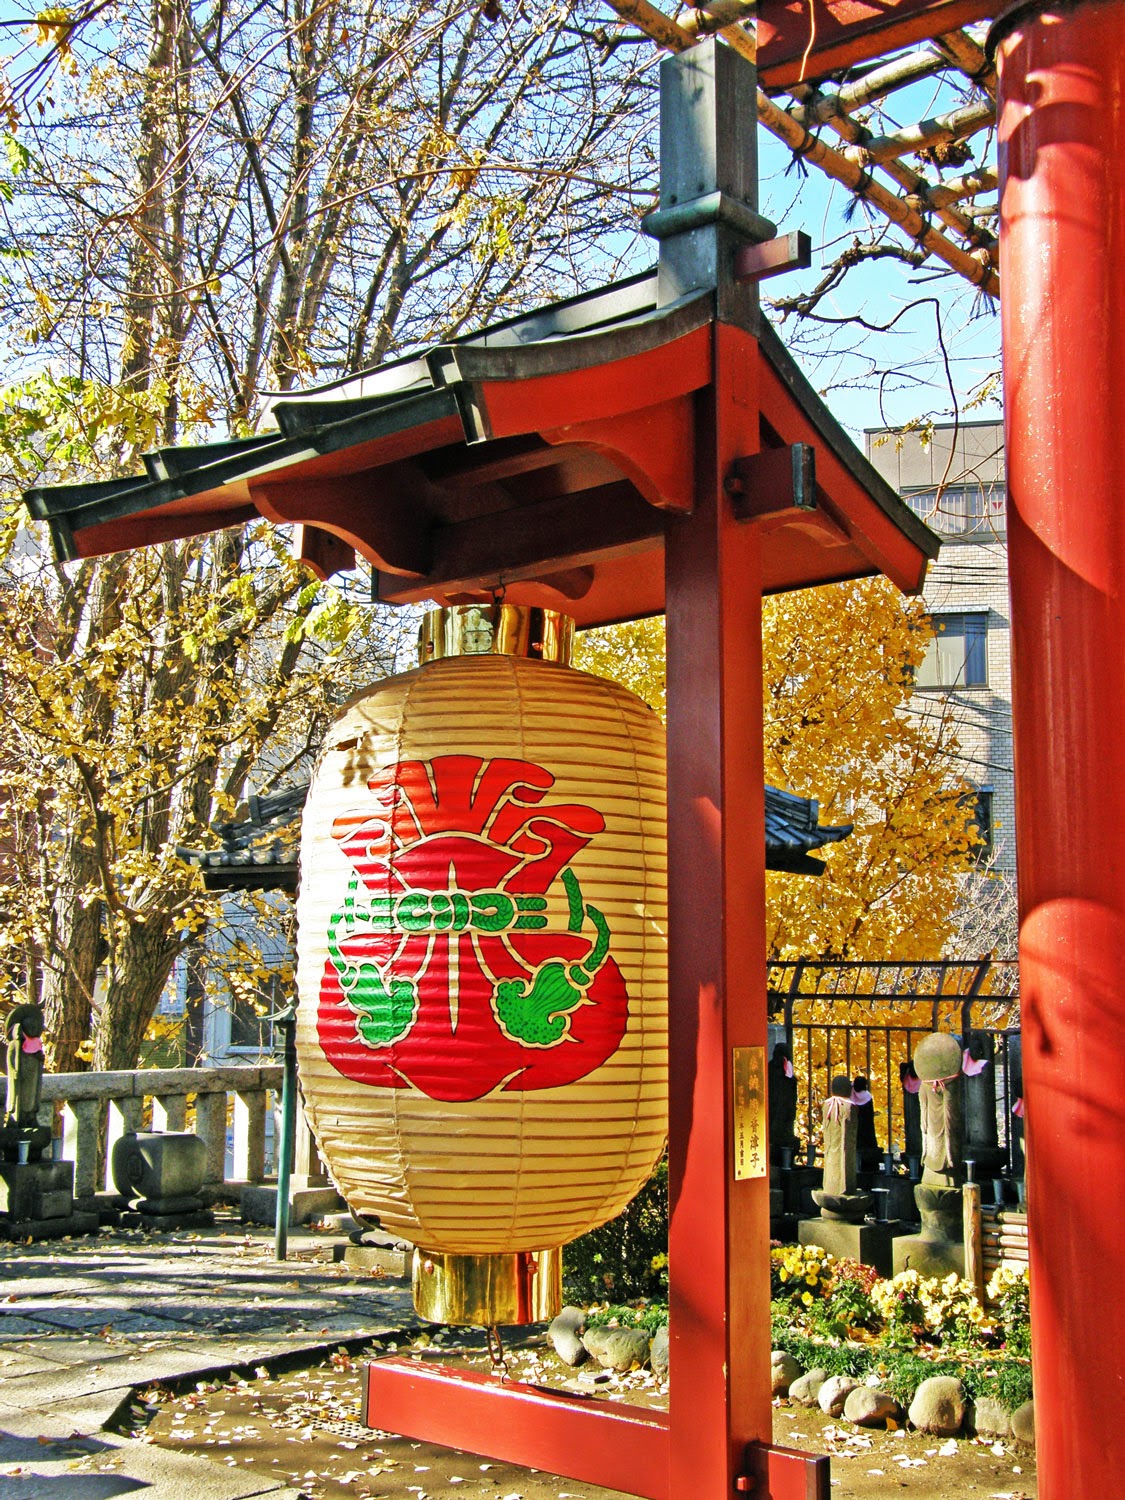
(838, 667)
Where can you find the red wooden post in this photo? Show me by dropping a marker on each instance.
(719, 1236)
(1062, 144)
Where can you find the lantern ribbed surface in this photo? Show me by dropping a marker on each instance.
(482, 969)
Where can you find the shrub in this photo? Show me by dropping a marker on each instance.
(628, 1257)
(1009, 1292)
(848, 1307)
(800, 1274)
(917, 1307)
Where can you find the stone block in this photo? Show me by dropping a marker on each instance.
(36, 1189)
(257, 1204)
(868, 1243)
(199, 1218)
(914, 1252)
(386, 1258)
(49, 1229)
(151, 1164)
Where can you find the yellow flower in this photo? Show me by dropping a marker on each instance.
(807, 1298)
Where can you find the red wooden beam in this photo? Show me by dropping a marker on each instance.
(582, 1437)
(719, 1213)
(1062, 235)
(587, 1438)
(799, 40)
(377, 512)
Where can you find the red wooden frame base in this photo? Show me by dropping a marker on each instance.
(586, 1438)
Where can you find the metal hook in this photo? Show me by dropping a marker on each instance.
(496, 1351)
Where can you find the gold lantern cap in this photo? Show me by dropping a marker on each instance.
(496, 629)
(485, 1290)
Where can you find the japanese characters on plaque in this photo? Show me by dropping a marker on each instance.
(748, 1102)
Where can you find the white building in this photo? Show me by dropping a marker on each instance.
(953, 477)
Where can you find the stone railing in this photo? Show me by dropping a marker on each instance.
(89, 1111)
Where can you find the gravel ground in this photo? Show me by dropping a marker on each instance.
(304, 1427)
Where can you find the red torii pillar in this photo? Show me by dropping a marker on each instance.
(1062, 172)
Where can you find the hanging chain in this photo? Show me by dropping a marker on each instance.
(496, 1351)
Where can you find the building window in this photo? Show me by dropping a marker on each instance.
(982, 821)
(966, 510)
(251, 1020)
(956, 657)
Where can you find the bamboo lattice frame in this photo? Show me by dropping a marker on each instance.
(950, 218)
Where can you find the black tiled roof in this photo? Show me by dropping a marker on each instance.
(259, 852)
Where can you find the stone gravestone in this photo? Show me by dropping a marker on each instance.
(841, 1229)
(782, 1091)
(36, 1196)
(982, 1141)
(911, 1116)
(869, 1152)
(939, 1248)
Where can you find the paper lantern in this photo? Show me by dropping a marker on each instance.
(482, 967)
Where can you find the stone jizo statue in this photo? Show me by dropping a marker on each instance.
(938, 1249)
(937, 1063)
(23, 1030)
(838, 1199)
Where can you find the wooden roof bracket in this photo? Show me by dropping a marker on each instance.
(777, 487)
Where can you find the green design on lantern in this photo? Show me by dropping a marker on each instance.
(534, 1010)
(537, 1011)
(385, 1013)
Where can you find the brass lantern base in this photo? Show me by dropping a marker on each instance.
(483, 1290)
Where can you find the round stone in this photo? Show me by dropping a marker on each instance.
(939, 1406)
(565, 1334)
(784, 1370)
(805, 1390)
(870, 1408)
(834, 1393)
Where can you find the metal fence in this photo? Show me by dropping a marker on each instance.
(868, 1018)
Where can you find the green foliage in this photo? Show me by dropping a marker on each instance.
(1011, 1384)
(849, 1307)
(628, 1257)
(800, 1274)
(836, 1356)
(648, 1315)
(1009, 1291)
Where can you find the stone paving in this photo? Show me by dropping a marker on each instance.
(85, 1322)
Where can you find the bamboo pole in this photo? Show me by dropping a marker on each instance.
(970, 1210)
(976, 266)
(874, 85)
(916, 185)
(953, 126)
(970, 58)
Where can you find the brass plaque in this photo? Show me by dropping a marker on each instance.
(751, 1136)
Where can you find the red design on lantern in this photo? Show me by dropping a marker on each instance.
(455, 860)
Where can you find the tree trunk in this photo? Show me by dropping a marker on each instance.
(70, 965)
(142, 963)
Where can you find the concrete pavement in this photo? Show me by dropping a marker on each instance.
(85, 1322)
